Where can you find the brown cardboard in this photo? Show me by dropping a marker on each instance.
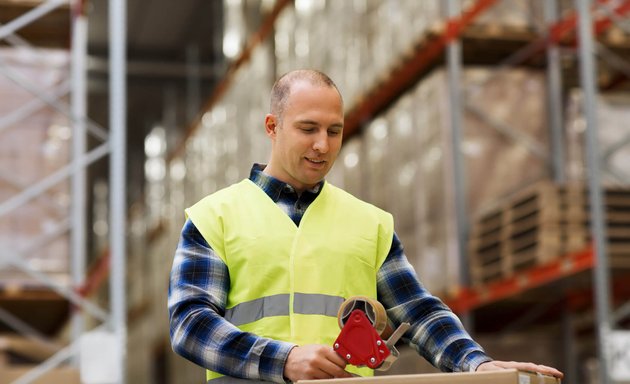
(509, 376)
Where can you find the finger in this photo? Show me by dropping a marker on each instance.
(321, 374)
(336, 358)
(551, 371)
(344, 374)
(516, 365)
(530, 367)
(490, 366)
(332, 368)
(329, 371)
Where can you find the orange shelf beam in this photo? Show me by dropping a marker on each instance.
(401, 77)
(373, 104)
(97, 274)
(473, 297)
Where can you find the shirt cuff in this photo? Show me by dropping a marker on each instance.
(273, 360)
(473, 360)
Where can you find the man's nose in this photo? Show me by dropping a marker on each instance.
(321, 143)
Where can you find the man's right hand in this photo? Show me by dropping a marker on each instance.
(314, 362)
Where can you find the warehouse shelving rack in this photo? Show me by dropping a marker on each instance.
(411, 69)
(40, 22)
(574, 28)
(594, 259)
(558, 30)
(103, 266)
(428, 54)
(597, 255)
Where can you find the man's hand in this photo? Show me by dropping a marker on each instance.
(531, 367)
(314, 362)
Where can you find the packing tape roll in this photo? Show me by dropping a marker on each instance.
(374, 311)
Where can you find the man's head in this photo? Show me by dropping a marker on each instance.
(305, 125)
(282, 88)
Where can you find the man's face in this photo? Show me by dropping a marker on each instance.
(308, 139)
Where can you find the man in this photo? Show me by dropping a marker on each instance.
(263, 265)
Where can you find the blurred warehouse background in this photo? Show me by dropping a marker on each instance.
(481, 125)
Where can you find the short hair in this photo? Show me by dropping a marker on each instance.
(282, 87)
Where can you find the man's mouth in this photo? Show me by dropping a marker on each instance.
(316, 161)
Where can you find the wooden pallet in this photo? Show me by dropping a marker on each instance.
(66, 375)
(541, 223)
(16, 349)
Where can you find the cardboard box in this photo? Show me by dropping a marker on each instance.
(509, 376)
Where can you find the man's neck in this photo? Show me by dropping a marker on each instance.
(269, 172)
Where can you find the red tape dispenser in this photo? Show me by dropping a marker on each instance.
(363, 324)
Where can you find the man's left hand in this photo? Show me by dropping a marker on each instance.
(531, 367)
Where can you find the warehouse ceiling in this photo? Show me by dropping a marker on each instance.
(166, 39)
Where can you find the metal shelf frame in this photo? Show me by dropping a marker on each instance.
(578, 28)
(112, 143)
(573, 28)
(601, 278)
(597, 259)
(393, 86)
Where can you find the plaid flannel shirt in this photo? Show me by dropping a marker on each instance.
(199, 285)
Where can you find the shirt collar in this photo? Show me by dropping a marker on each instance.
(273, 187)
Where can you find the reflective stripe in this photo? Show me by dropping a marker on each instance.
(278, 305)
(230, 380)
(316, 304)
(250, 311)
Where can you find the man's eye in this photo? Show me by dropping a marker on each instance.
(333, 133)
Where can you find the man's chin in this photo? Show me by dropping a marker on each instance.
(310, 182)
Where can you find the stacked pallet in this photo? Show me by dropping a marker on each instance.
(540, 224)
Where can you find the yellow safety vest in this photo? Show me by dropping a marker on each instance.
(287, 282)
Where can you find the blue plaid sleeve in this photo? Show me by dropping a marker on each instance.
(436, 333)
(197, 296)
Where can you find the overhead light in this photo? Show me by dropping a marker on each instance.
(379, 128)
(155, 169)
(351, 160)
(219, 115)
(178, 170)
(155, 142)
(304, 6)
(234, 23)
(432, 158)
(407, 174)
(231, 43)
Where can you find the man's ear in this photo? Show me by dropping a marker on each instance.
(271, 124)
